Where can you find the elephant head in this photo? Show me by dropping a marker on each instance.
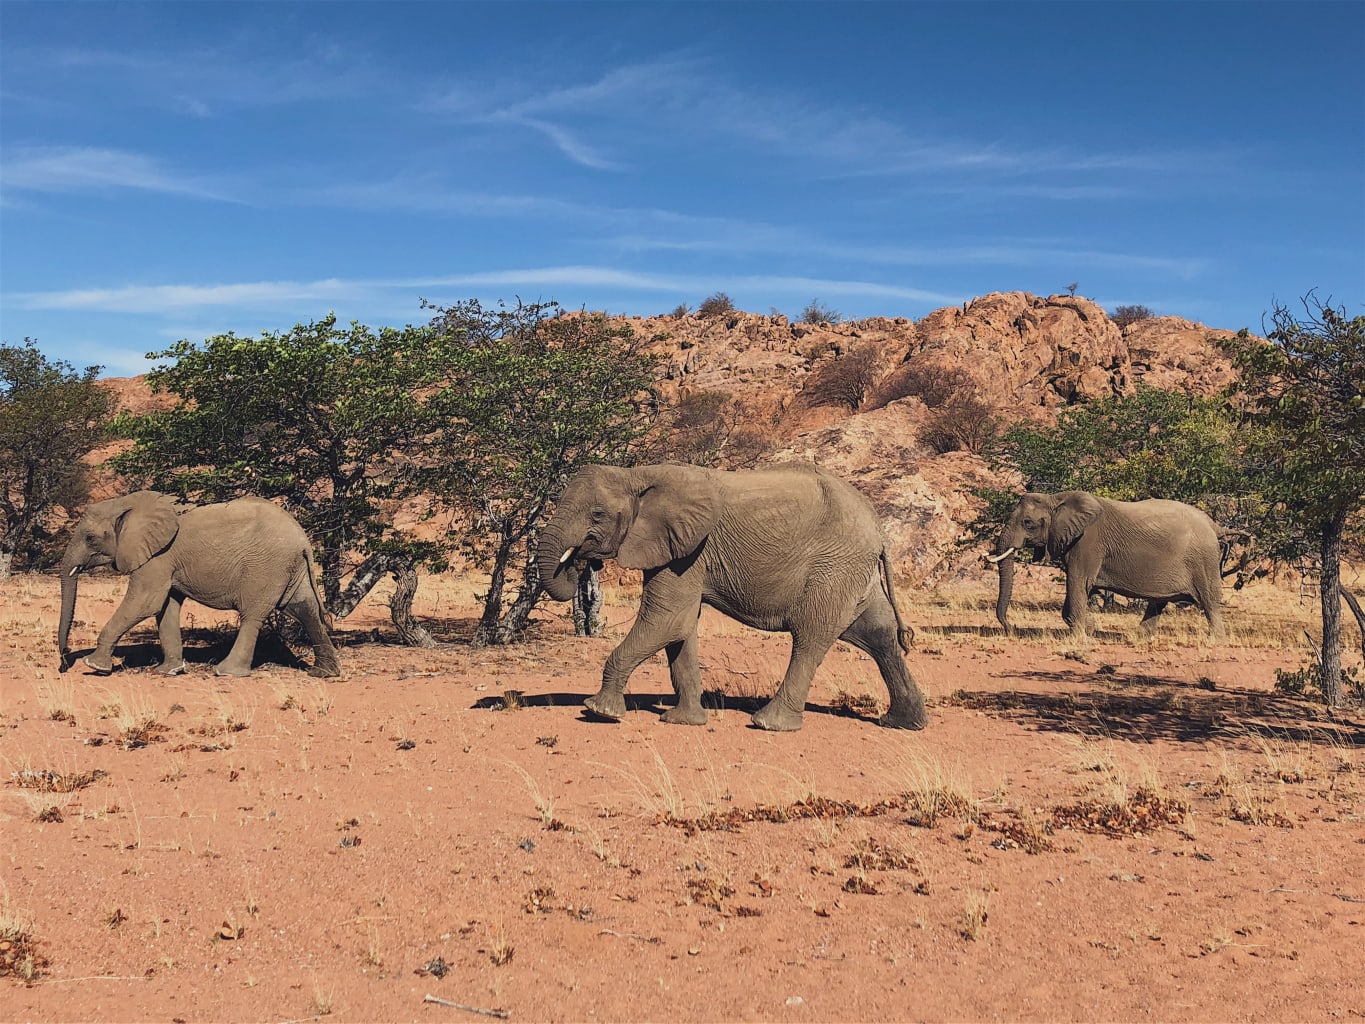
(644, 518)
(122, 532)
(1047, 523)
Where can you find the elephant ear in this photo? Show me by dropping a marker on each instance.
(143, 529)
(1075, 511)
(677, 507)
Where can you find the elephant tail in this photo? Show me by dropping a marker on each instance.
(905, 635)
(310, 567)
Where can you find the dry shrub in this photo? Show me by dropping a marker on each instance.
(958, 417)
(843, 381)
(718, 304)
(1125, 316)
(929, 380)
(711, 428)
(964, 423)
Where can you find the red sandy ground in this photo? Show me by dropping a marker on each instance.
(358, 830)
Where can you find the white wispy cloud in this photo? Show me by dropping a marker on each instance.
(179, 299)
(682, 98)
(86, 168)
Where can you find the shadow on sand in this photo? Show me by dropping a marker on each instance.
(1148, 709)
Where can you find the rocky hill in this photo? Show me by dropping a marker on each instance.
(1024, 355)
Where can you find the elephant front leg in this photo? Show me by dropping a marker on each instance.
(685, 672)
(1076, 607)
(136, 606)
(168, 628)
(668, 614)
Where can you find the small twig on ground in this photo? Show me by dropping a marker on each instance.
(95, 977)
(468, 1009)
(1349, 899)
(653, 940)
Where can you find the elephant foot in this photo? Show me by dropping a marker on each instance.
(904, 720)
(325, 671)
(103, 665)
(169, 669)
(238, 671)
(611, 706)
(776, 718)
(684, 716)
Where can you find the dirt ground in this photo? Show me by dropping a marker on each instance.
(1119, 829)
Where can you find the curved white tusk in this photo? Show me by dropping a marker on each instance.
(74, 569)
(568, 553)
(1000, 557)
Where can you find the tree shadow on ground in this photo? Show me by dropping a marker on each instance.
(656, 703)
(1144, 709)
(1048, 633)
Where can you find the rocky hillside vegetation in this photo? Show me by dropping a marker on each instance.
(901, 408)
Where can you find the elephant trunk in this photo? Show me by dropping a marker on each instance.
(1002, 602)
(1007, 544)
(70, 569)
(555, 563)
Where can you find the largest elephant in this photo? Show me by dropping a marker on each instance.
(246, 554)
(1156, 549)
(788, 548)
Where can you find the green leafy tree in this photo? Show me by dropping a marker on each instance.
(534, 394)
(1302, 393)
(51, 417)
(321, 417)
(1153, 443)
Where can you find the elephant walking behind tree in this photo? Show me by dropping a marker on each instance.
(1159, 550)
(790, 548)
(246, 554)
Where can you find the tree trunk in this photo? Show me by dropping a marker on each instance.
(370, 572)
(1329, 590)
(587, 604)
(410, 631)
(1350, 599)
(6, 560)
(487, 631)
(513, 625)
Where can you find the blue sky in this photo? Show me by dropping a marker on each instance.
(176, 170)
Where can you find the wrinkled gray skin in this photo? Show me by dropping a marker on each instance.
(1159, 550)
(790, 548)
(246, 554)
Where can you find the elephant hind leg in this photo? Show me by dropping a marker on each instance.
(305, 610)
(239, 659)
(875, 632)
(1149, 617)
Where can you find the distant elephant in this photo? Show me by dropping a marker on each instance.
(246, 554)
(789, 548)
(1159, 550)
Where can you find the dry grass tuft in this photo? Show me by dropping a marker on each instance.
(19, 956)
(45, 780)
(1139, 813)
